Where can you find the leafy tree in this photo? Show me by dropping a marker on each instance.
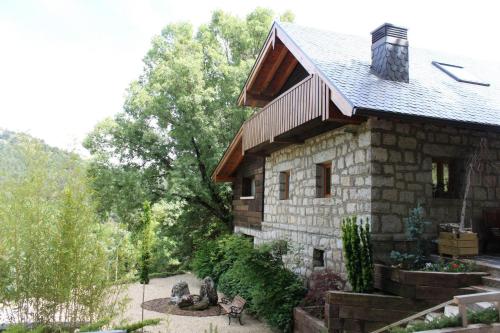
(56, 257)
(178, 118)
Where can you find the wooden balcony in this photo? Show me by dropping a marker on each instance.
(302, 111)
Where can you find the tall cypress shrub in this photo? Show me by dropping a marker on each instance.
(358, 254)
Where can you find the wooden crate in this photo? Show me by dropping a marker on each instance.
(458, 245)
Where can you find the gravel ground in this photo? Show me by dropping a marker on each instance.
(159, 288)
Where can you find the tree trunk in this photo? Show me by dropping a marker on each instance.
(464, 201)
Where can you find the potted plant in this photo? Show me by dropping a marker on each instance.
(456, 240)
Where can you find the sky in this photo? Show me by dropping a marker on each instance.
(66, 64)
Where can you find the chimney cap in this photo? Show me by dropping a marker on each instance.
(389, 30)
(386, 24)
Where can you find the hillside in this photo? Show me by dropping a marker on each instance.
(12, 156)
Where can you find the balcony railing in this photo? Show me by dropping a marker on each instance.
(305, 101)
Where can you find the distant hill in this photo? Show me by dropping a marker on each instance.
(12, 159)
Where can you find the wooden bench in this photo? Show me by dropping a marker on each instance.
(234, 308)
(463, 300)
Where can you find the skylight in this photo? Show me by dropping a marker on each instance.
(459, 73)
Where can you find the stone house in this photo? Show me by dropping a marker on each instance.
(350, 126)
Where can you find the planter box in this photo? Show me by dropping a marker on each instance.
(434, 287)
(458, 245)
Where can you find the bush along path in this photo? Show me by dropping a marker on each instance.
(256, 274)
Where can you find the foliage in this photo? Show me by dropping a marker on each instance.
(39, 329)
(212, 329)
(358, 254)
(415, 229)
(96, 326)
(319, 283)
(486, 316)
(138, 325)
(145, 260)
(215, 257)
(51, 242)
(453, 266)
(178, 118)
(256, 274)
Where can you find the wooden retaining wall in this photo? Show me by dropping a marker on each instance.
(355, 312)
(304, 322)
(435, 287)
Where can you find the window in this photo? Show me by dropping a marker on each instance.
(248, 187)
(443, 178)
(459, 73)
(323, 180)
(249, 237)
(285, 185)
(318, 258)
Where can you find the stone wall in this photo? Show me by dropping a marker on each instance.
(310, 222)
(402, 155)
(380, 170)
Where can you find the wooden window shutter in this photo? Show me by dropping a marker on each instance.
(283, 176)
(320, 180)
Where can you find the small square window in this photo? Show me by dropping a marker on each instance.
(443, 178)
(318, 258)
(323, 180)
(284, 185)
(248, 187)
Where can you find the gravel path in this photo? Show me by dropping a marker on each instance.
(159, 288)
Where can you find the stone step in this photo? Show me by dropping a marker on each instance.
(493, 270)
(491, 281)
(451, 310)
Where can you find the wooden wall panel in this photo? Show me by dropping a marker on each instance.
(248, 212)
(303, 102)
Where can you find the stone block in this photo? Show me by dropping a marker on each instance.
(391, 224)
(389, 139)
(406, 196)
(390, 194)
(379, 154)
(395, 156)
(407, 142)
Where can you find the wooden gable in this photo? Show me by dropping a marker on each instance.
(297, 101)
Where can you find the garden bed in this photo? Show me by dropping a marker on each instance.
(425, 285)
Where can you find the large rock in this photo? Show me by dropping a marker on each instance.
(185, 301)
(201, 305)
(208, 291)
(180, 289)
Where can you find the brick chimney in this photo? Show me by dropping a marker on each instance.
(390, 53)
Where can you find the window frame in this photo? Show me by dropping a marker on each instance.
(316, 258)
(438, 188)
(245, 187)
(284, 193)
(324, 179)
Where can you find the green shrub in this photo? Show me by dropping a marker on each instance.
(415, 229)
(138, 325)
(213, 258)
(256, 274)
(96, 326)
(358, 254)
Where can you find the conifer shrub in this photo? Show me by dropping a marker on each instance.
(358, 253)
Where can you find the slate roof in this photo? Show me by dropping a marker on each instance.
(345, 60)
